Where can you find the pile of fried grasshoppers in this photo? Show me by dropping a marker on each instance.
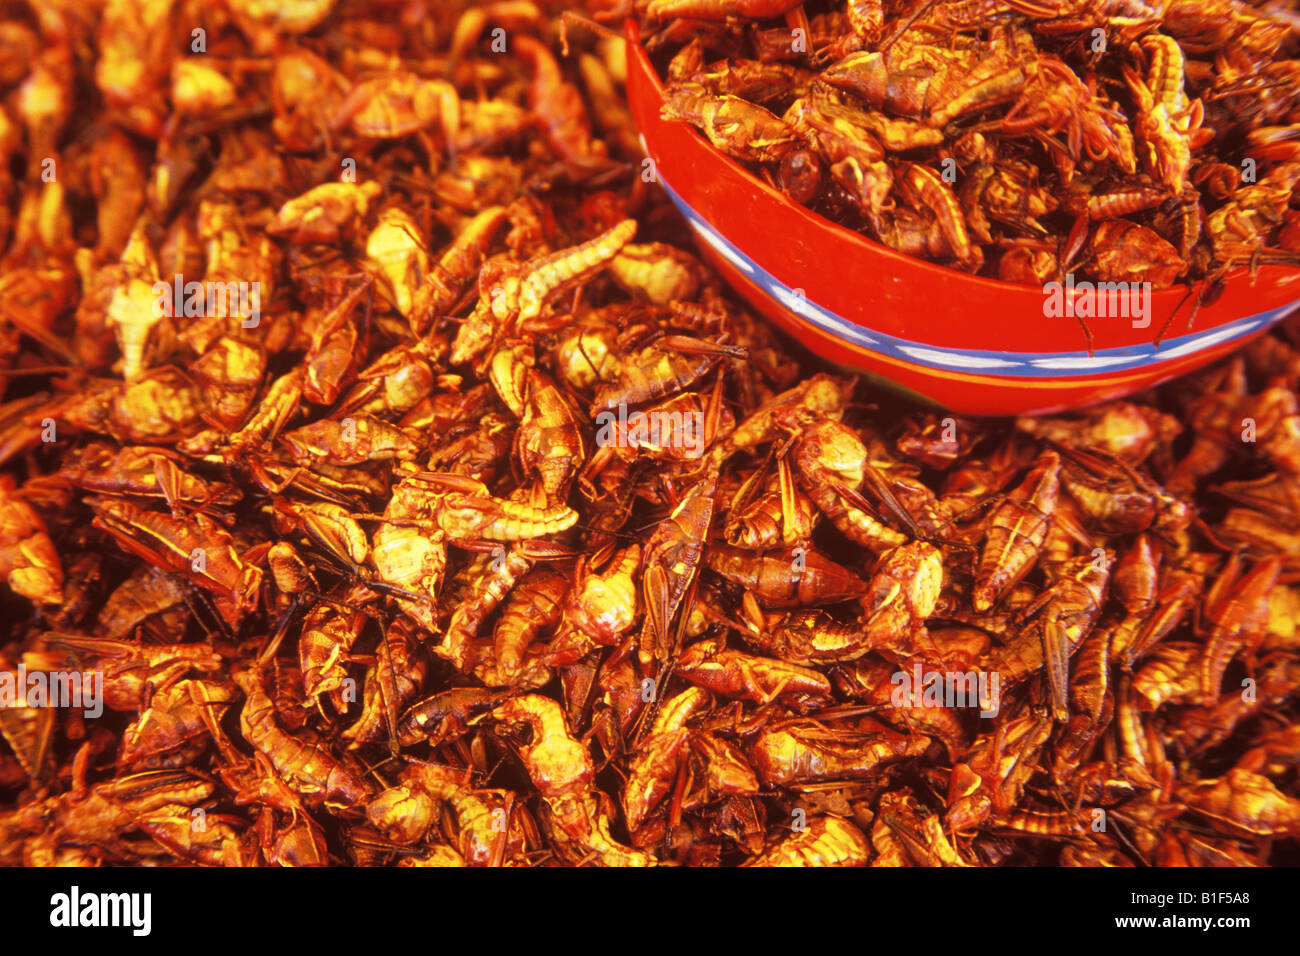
(1124, 140)
(417, 498)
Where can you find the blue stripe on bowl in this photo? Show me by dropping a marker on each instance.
(1009, 364)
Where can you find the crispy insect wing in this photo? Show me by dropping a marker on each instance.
(1238, 619)
(1069, 608)
(457, 266)
(198, 549)
(671, 564)
(391, 683)
(1017, 528)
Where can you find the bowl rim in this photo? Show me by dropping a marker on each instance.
(943, 359)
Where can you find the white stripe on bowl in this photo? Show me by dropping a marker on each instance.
(1086, 361)
(817, 315)
(717, 242)
(1204, 341)
(954, 359)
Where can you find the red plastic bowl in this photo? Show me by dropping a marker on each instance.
(978, 346)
